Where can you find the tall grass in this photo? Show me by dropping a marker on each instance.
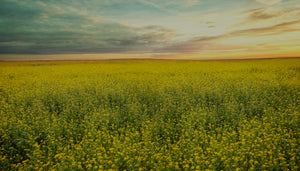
(143, 115)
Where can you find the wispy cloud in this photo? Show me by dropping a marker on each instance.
(189, 3)
(266, 31)
(261, 14)
(199, 44)
(154, 5)
(104, 38)
(267, 13)
(269, 2)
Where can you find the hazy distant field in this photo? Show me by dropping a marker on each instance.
(143, 115)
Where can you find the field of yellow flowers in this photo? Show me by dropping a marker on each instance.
(150, 115)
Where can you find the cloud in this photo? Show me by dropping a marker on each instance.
(198, 44)
(102, 37)
(189, 3)
(266, 16)
(269, 2)
(272, 12)
(262, 14)
(191, 46)
(154, 5)
(270, 30)
(43, 29)
(170, 7)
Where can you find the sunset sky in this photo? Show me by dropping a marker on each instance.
(179, 29)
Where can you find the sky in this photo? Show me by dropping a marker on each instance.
(168, 29)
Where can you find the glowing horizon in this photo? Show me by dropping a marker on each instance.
(175, 29)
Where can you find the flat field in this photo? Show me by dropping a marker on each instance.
(143, 115)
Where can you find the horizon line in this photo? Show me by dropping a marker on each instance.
(147, 59)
